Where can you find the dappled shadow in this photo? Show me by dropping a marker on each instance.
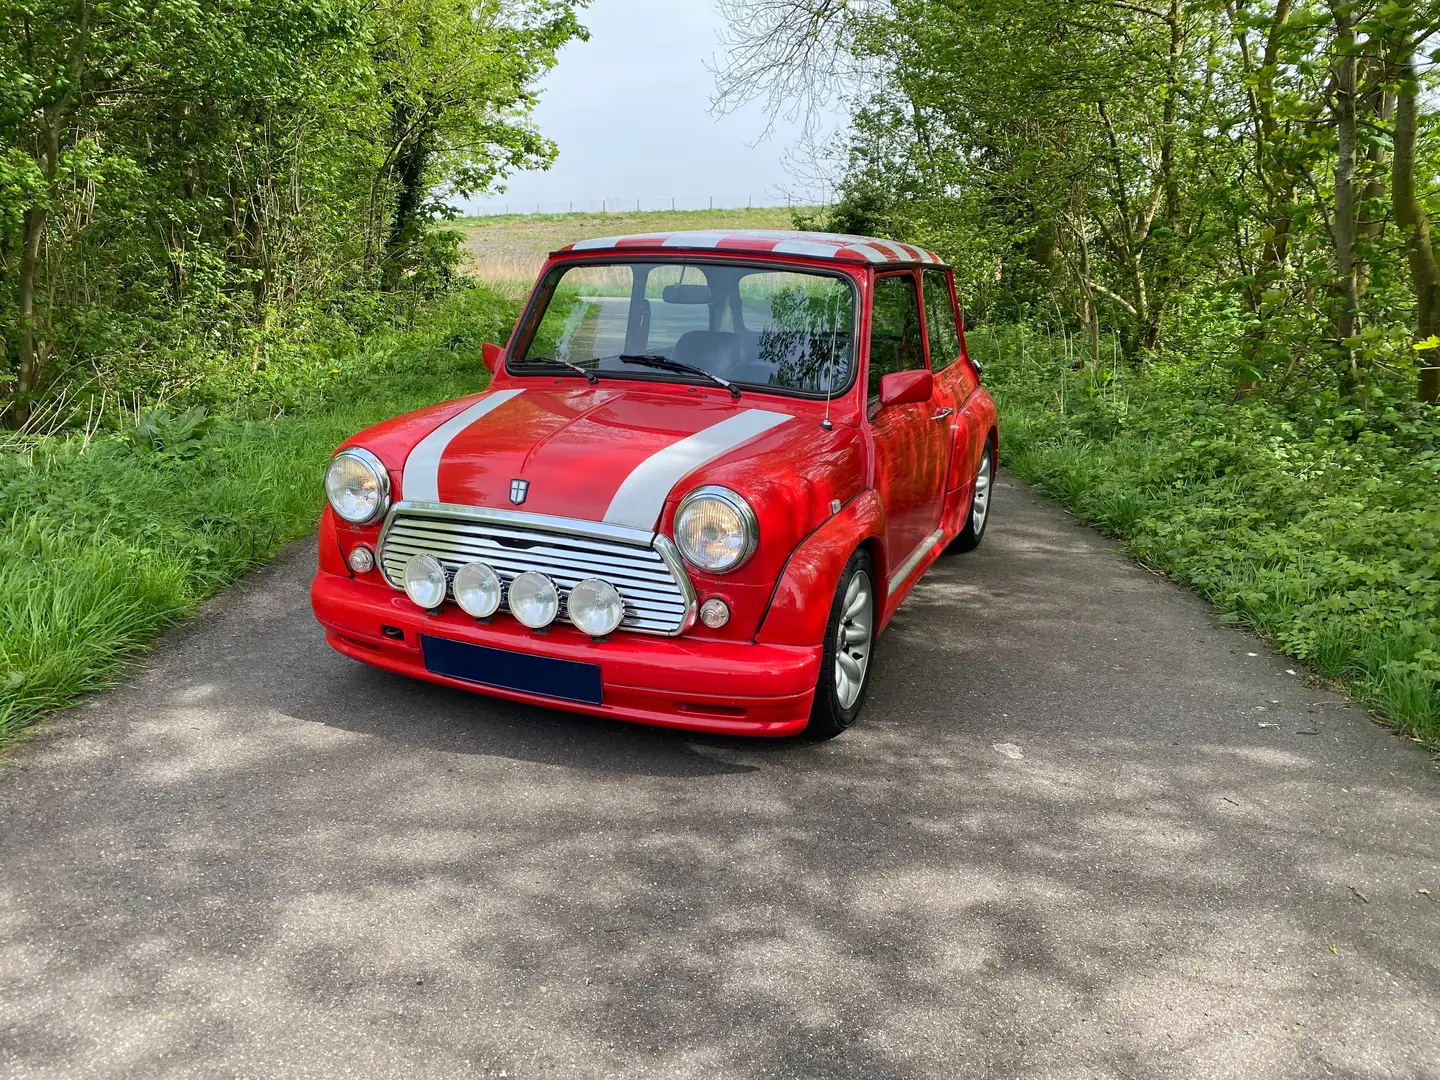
(1059, 843)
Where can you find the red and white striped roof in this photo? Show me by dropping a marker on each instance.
(817, 245)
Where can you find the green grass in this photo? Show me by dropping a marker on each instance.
(1316, 524)
(109, 542)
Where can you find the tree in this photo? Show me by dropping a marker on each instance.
(1138, 157)
(458, 80)
(180, 181)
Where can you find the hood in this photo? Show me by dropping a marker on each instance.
(609, 453)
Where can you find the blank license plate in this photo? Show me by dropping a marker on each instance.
(565, 679)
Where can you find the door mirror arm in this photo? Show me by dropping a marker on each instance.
(493, 355)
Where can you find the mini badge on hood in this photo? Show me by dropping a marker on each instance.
(518, 490)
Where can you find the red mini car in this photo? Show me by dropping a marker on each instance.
(707, 470)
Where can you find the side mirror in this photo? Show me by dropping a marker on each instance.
(906, 387)
(492, 355)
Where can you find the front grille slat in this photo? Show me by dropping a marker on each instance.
(398, 549)
(655, 602)
(457, 527)
(496, 555)
(578, 545)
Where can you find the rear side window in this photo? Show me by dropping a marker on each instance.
(894, 329)
(940, 320)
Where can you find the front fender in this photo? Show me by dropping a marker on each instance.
(800, 606)
(332, 554)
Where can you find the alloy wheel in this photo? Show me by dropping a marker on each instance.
(854, 639)
(980, 506)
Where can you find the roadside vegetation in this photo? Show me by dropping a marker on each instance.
(112, 535)
(1195, 246)
(192, 196)
(1316, 527)
(223, 248)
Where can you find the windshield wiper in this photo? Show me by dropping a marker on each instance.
(549, 361)
(664, 362)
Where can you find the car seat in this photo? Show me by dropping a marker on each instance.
(717, 351)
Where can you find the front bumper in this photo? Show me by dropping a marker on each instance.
(685, 682)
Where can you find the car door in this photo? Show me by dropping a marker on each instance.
(911, 447)
(954, 379)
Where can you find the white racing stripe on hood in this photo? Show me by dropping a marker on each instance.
(421, 481)
(638, 501)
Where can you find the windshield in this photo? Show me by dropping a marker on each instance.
(753, 325)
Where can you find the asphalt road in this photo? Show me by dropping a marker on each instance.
(1081, 831)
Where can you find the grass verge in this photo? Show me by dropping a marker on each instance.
(108, 541)
(1315, 524)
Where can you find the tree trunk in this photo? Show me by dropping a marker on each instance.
(31, 358)
(32, 352)
(1088, 313)
(406, 226)
(1415, 228)
(1345, 288)
(1380, 104)
(1279, 187)
(1166, 270)
(49, 123)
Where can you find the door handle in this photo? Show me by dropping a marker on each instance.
(942, 414)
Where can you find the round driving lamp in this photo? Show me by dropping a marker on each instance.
(595, 607)
(357, 486)
(477, 590)
(425, 581)
(715, 529)
(533, 599)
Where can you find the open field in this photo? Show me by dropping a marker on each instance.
(509, 249)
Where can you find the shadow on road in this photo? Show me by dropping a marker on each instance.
(1061, 843)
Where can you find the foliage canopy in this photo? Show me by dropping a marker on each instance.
(187, 183)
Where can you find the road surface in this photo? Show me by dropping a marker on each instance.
(1080, 831)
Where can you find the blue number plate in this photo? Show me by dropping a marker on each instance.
(565, 679)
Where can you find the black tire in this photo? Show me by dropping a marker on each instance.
(836, 706)
(971, 535)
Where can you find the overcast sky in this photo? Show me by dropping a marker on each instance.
(630, 110)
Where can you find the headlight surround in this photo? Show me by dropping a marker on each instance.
(715, 530)
(358, 486)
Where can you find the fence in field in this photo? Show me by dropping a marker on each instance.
(628, 205)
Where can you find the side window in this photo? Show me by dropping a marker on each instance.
(940, 320)
(894, 329)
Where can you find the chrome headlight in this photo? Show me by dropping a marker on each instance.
(533, 600)
(358, 486)
(425, 581)
(595, 607)
(477, 590)
(715, 529)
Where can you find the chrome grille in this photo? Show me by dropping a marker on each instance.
(655, 601)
